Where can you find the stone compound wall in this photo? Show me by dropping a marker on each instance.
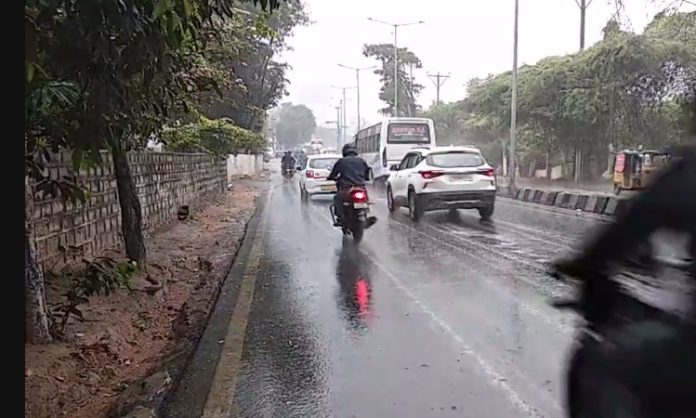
(164, 181)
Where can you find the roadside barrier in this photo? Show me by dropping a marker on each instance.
(589, 203)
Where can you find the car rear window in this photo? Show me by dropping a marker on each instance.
(322, 163)
(455, 159)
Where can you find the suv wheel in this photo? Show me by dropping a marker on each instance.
(486, 212)
(390, 200)
(414, 209)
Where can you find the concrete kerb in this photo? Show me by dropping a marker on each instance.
(591, 203)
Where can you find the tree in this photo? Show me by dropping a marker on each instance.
(245, 48)
(294, 125)
(408, 89)
(104, 75)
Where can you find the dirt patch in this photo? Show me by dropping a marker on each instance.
(116, 357)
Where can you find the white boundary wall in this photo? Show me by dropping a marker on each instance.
(243, 164)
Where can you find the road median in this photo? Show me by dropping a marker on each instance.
(589, 202)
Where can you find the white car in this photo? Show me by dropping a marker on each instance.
(314, 173)
(442, 178)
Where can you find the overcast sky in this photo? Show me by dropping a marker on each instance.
(466, 38)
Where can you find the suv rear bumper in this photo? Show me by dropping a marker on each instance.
(456, 200)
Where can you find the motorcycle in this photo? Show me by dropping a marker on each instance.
(593, 387)
(356, 213)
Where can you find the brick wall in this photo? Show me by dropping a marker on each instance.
(165, 181)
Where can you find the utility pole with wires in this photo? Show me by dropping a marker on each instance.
(513, 103)
(438, 80)
(583, 5)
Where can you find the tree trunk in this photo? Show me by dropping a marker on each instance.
(131, 214)
(549, 167)
(36, 320)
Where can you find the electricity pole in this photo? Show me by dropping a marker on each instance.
(396, 58)
(439, 80)
(513, 104)
(357, 84)
(583, 5)
(343, 121)
(338, 126)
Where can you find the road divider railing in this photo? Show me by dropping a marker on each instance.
(599, 204)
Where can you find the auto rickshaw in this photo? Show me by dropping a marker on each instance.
(635, 169)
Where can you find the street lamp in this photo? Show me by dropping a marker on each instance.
(357, 81)
(396, 58)
(513, 104)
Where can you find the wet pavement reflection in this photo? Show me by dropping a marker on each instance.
(445, 318)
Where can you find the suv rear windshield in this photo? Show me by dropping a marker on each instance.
(322, 163)
(455, 159)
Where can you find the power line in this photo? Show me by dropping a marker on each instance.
(438, 80)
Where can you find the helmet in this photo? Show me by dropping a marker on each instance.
(349, 149)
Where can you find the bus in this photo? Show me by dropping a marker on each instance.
(387, 142)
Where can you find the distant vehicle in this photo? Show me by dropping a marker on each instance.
(329, 151)
(636, 169)
(387, 142)
(442, 178)
(313, 175)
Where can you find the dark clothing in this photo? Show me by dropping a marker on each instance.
(653, 358)
(350, 171)
(670, 203)
(287, 161)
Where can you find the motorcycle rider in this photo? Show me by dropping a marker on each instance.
(288, 161)
(654, 360)
(349, 171)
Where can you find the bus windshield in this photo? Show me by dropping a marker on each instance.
(408, 133)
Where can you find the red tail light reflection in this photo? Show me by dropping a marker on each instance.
(362, 296)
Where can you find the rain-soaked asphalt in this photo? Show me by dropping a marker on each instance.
(446, 318)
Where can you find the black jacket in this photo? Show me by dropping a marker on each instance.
(350, 171)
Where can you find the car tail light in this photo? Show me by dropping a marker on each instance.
(487, 172)
(359, 195)
(430, 174)
(384, 157)
(310, 174)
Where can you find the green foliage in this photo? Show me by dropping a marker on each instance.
(408, 88)
(294, 125)
(626, 90)
(99, 277)
(245, 46)
(219, 137)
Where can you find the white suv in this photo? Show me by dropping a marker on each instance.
(442, 178)
(314, 173)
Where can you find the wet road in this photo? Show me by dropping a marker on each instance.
(446, 318)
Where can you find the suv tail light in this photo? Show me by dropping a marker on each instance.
(384, 157)
(359, 195)
(487, 172)
(310, 174)
(430, 174)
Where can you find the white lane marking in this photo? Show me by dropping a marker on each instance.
(495, 378)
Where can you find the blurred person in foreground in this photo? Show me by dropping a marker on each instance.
(653, 360)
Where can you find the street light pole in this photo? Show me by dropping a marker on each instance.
(357, 84)
(396, 58)
(513, 104)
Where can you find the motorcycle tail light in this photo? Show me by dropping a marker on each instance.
(359, 196)
(310, 174)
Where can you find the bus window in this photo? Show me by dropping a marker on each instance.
(408, 133)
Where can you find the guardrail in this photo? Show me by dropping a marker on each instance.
(589, 203)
